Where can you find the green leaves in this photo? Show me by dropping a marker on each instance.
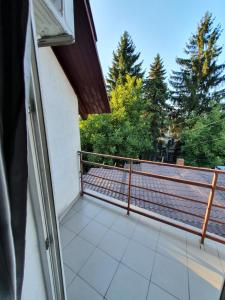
(125, 131)
(204, 143)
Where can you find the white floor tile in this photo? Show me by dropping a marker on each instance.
(127, 285)
(106, 217)
(114, 244)
(125, 225)
(69, 275)
(69, 214)
(77, 222)
(80, 290)
(139, 258)
(171, 275)
(146, 235)
(79, 205)
(77, 253)
(66, 235)
(99, 271)
(208, 259)
(205, 281)
(91, 209)
(172, 245)
(93, 232)
(156, 293)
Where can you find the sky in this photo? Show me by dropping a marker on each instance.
(156, 26)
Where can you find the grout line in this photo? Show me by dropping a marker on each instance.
(175, 297)
(78, 275)
(120, 261)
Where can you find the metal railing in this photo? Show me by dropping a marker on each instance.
(211, 188)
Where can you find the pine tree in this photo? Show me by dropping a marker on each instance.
(157, 94)
(124, 62)
(198, 84)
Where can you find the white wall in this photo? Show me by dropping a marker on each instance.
(33, 284)
(62, 128)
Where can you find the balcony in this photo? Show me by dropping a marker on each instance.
(122, 248)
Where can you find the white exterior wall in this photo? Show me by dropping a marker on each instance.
(60, 107)
(33, 284)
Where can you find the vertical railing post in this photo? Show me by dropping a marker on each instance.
(129, 187)
(81, 174)
(209, 207)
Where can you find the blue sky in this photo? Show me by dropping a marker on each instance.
(156, 26)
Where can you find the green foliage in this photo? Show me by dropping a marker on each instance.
(140, 111)
(204, 142)
(156, 93)
(124, 63)
(124, 132)
(196, 87)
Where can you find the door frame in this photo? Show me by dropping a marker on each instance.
(41, 190)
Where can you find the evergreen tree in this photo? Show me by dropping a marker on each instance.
(124, 62)
(157, 94)
(198, 84)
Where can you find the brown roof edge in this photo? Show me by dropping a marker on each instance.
(81, 63)
(91, 20)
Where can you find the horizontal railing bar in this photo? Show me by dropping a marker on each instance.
(148, 189)
(105, 200)
(156, 191)
(148, 215)
(220, 188)
(104, 166)
(218, 206)
(216, 221)
(104, 178)
(147, 201)
(154, 162)
(104, 188)
(184, 181)
(170, 194)
(215, 238)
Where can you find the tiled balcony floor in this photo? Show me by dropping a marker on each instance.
(109, 255)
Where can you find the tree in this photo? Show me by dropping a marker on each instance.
(204, 143)
(198, 84)
(157, 94)
(124, 62)
(125, 131)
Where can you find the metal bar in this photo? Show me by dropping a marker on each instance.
(170, 194)
(154, 162)
(105, 200)
(184, 181)
(215, 238)
(156, 191)
(147, 201)
(209, 206)
(129, 188)
(105, 188)
(105, 178)
(81, 175)
(220, 188)
(104, 166)
(194, 231)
